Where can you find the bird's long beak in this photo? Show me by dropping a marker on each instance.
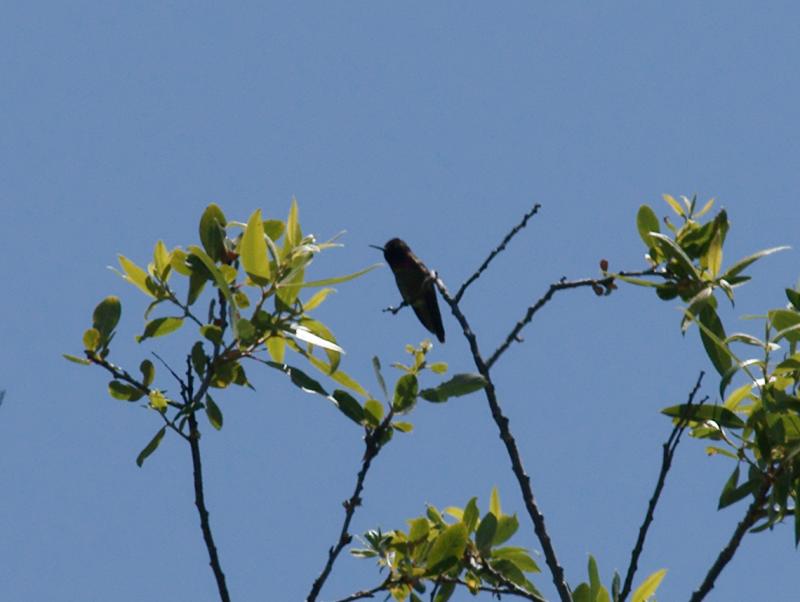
(381, 249)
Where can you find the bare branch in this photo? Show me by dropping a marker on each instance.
(502, 422)
(599, 285)
(669, 447)
(500, 248)
(725, 556)
(372, 444)
(368, 593)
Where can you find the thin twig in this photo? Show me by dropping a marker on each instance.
(367, 593)
(502, 422)
(200, 502)
(563, 284)
(372, 444)
(192, 400)
(725, 556)
(668, 452)
(500, 248)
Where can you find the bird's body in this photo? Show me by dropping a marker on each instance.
(416, 284)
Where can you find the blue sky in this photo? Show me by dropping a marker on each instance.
(441, 123)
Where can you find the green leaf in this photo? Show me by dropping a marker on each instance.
(672, 250)
(212, 231)
(106, 316)
(124, 392)
(647, 222)
(731, 493)
(519, 556)
(91, 339)
(178, 262)
(471, 515)
(786, 322)
(794, 298)
(706, 208)
(438, 367)
(714, 254)
(348, 405)
(403, 427)
(418, 529)
(212, 332)
(148, 371)
(582, 593)
(161, 260)
(506, 527)
(485, 533)
(676, 206)
(447, 548)
(246, 331)
(160, 327)
(458, 385)
(151, 447)
(274, 228)
(594, 577)
(253, 250)
(509, 571)
(376, 366)
(727, 490)
(219, 279)
(405, 393)
(276, 346)
(199, 358)
(78, 360)
(317, 298)
(740, 265)
(213, 413)
(339, 376)
(695, 413)
(300, 379)
(373, 411)
(648, 587)
(716, 350)
(494, 503)
(445, 592)
(339, 279)
(293, 232)
(135, 275)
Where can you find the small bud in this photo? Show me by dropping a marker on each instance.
(604, 265)
(598, 290)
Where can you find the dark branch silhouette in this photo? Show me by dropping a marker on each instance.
(754, 511)
(502, 422)
(500, 248)
(669, 447)
(373, 445)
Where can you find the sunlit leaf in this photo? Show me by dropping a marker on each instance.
(106, 316)
(339, 279)
(253, 250)
(695, 413)
(447, 548)
(405, 393)
(648, 587)
(740, 265)
(219, 279)
(135, 275)
(78, 360)
(676, 206)
(647, 222)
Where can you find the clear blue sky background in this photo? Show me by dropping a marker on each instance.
(441, 123)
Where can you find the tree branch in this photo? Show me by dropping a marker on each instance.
(200, 502)
(500, 248)
(605, 284)
(511, 447)
(669, 447)
(372, 444)
(725, 556)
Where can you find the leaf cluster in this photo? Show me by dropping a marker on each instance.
(457, 546)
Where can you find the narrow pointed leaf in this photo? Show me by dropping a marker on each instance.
(219, 279)
(253, 250)
(160, 327)
(348, 405)
(212, 224)
(213, 413)
(376, 366)
(300, 379)
(135, 275)
(458, 385)
(648, 586)
(339, 279)
(695, 413)
(740, 265)
(150, 447)
(78, 360)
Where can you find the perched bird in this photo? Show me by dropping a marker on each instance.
(416, 284)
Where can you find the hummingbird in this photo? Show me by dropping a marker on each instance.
(415, 282)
